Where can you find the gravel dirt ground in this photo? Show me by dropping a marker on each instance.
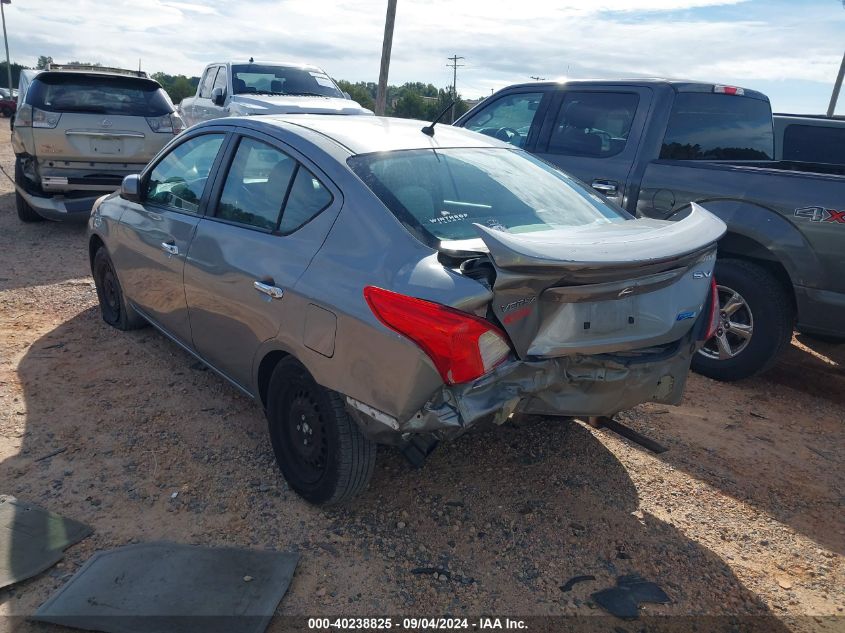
(743, 516)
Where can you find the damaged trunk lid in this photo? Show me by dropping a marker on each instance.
(602, 288)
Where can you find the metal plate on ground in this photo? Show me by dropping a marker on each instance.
(170, 588)
(32, 539)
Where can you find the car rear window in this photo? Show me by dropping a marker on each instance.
(92, 94)
(442, 193)
(814, 144)
(712, 126)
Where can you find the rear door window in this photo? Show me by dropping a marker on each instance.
(814, 144)
(308, 196)
(508, 118)
(268, 190)
(713, 126)
(593, 123)
(98, 94)
(179, 179)
(256, 185)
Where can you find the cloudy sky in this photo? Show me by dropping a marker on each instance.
(789, 49)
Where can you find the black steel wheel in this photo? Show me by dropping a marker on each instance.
(116, 312)
(318, 447)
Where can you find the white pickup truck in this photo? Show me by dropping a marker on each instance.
(242, 89)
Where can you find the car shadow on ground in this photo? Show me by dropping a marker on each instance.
(813, 366)
(124, 431)
(67, 262)
(777, 443)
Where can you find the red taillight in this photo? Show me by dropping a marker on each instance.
(461, 346)
(713, 319)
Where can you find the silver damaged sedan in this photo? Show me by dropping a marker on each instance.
(370, 282)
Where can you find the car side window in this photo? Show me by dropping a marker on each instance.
(508, 118)
(207, 82)
(220, 81)
(256, 185)
(593, 123)
(308, 197)
(179, 179)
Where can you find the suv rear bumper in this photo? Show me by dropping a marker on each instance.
(60, 208)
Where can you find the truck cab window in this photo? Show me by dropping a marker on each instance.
(508, 119)
(593, 123)
(711, 126)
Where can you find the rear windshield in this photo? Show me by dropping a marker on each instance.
(442, 193)
(92, 94)
(711, 126)
(814, 144)
(282, 80)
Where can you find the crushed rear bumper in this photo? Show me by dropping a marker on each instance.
(580, 386)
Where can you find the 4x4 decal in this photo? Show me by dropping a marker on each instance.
(820, 214)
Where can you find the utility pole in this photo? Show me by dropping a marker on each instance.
(455, 65)
(387, 44)
(837, 86)
(6, 42)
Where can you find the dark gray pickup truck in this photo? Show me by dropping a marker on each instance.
(654, 146)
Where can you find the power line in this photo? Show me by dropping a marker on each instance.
(454, 65)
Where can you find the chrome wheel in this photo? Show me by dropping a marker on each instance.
(736, 325)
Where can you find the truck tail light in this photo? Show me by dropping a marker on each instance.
(729, 90)
(462, 346)
(713, 316)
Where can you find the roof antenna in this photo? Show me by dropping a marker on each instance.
(429, 129)
(251, 60)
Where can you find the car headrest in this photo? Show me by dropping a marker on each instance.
(579, 115)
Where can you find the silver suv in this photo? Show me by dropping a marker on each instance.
(79, 130)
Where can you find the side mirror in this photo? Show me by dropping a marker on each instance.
(130, 188)
(218, 96)
(347, 95)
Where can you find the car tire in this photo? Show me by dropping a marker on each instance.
(6, 112)
(113, 306)
(755, 331)
(25, 212)
(319, 448)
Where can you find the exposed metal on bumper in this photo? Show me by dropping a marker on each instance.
(563, 386)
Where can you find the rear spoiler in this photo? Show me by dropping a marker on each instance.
(641, 241)
(93, 68)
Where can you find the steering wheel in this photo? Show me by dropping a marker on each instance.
(507, 134)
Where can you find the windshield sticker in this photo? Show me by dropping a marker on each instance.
(446, 217)
(322, 79)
